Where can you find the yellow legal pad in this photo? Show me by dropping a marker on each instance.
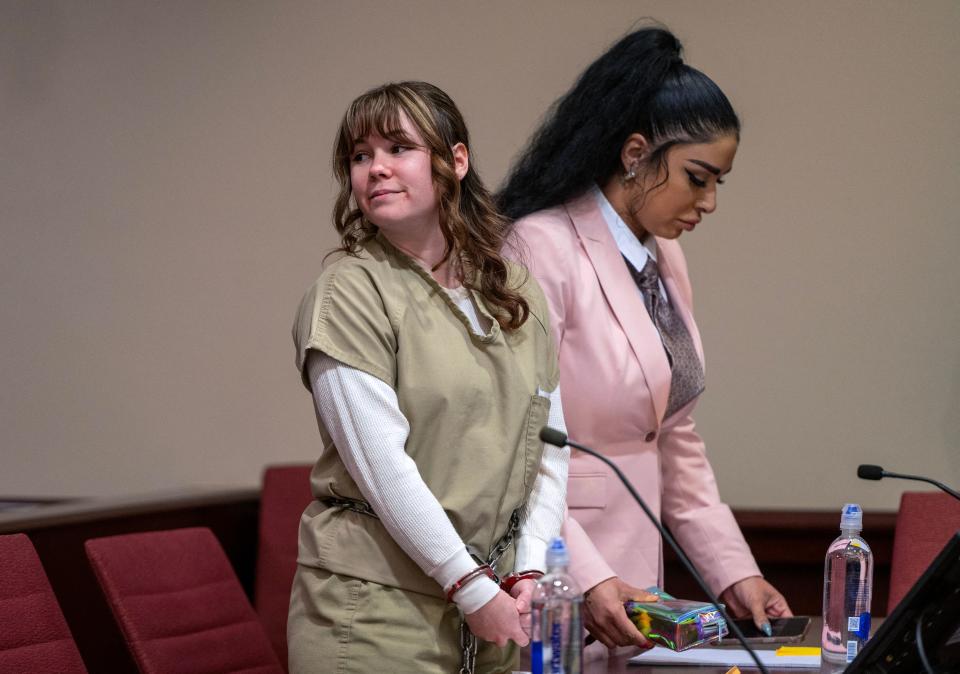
(798, 650)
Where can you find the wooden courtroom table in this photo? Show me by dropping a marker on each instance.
(598, 661)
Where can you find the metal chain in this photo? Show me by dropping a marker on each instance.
(468, 642)
(505, 541)
(353, 504)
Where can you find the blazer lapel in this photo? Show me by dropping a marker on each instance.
(623, 296)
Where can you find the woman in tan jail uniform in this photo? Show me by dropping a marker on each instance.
(432, 370)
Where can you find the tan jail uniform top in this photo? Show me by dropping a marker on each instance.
(475, 405)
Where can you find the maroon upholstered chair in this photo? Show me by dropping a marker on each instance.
(179, 603)
(925, 523)
(286, 492)
(34, 636)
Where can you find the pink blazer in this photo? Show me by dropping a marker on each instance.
(615, 380)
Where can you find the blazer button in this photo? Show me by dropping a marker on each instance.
(651, 436)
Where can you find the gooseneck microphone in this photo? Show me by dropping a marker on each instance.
(867, 471)
(552, 436)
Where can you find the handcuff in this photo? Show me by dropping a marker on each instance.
(506, 583)
(512, 579)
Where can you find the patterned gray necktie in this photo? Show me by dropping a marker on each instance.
(686, 370)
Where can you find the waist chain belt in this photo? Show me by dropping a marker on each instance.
(353, 504)
(468, 642)
(496, 552)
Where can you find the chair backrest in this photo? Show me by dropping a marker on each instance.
(286, 492)
(179, 603)
(34, 636)
(925, 522)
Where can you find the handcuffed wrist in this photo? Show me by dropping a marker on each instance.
(512, 579)
(482, 571)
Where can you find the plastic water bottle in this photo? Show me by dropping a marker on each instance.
(847, 586)
(556, 640)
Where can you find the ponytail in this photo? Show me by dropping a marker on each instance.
(640, 85)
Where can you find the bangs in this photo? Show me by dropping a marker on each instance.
(379, 112)
(384, 112)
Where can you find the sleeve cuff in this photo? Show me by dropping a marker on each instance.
(475, 594)
(472, 596)
(454, 568)
(587, 565)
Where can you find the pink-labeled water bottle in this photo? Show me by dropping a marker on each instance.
(847, 587)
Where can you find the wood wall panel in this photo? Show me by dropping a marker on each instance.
(58, 533)
(789, 547)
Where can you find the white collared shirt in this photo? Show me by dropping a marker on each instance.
(632, 248)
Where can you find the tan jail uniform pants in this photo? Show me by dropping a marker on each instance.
(343, 625)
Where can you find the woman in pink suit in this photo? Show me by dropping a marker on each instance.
(628, 160)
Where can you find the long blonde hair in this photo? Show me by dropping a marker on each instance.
(472, 228)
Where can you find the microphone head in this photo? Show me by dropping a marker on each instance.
(868, 472)
(552, 436)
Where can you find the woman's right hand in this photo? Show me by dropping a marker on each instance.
(498, 621)
(605, 617)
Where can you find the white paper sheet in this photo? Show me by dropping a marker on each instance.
(724, 657)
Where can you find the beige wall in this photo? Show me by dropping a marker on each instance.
(165, 198)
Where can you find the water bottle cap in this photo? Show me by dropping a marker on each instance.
(557, 554)
(851, 517)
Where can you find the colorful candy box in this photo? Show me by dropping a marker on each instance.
(678, 624)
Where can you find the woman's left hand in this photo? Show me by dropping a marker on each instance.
(522, 592)
(754, 597)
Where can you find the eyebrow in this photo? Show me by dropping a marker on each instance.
(710, 167)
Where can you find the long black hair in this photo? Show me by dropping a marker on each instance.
(640, 85)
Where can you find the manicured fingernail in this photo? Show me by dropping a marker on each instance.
(765, 628)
